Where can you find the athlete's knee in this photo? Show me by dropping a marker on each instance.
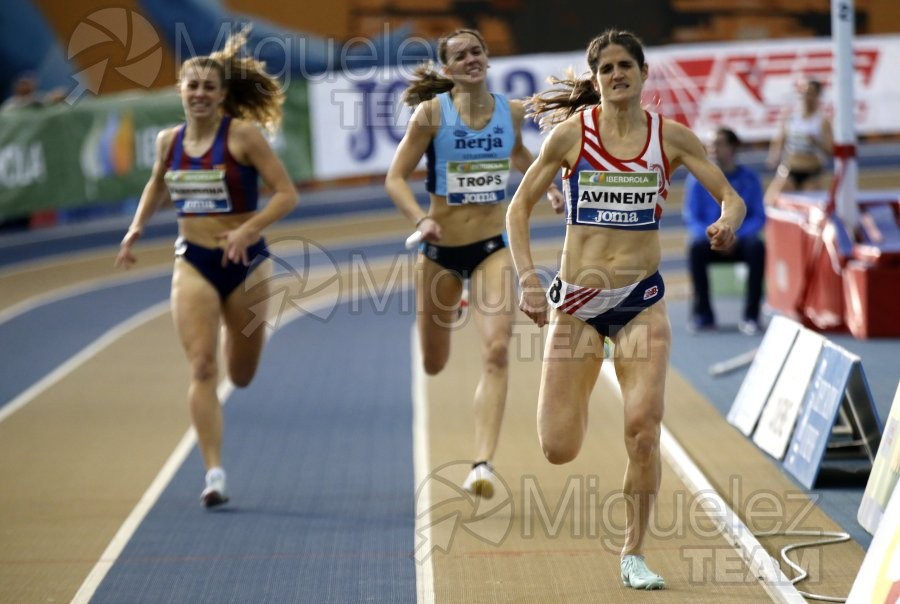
(496, 354)
(204, 367)
(643, 443)
(242, 354)
(558, 446)
(433, 364)
(242, 367)
(559, 452)
(241, 376)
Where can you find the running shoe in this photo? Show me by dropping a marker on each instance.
(480, 480)
(750, 327)
(214, 493)
(636, 575)
(701, 324)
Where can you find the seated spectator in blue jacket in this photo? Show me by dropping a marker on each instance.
(700, 210)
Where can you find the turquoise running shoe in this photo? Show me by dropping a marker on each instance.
(636, 575)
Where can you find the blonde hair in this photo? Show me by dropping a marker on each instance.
(251, 92)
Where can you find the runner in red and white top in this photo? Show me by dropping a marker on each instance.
(603, 190)
(617, 159)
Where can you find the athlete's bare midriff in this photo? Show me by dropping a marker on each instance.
(205, 230)
(608, 258)
(803, 162)
(467, 223)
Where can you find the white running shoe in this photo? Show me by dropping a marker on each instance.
(636, 575)
(214, 493)
(480, 480)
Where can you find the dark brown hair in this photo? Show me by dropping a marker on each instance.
(729, 135)
(815, 84)
(570, 93)
(251, 93)
(427, 82)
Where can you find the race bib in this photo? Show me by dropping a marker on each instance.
(198, 191)
(479, 181)
(617, 199)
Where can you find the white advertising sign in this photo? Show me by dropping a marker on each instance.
(357, 119)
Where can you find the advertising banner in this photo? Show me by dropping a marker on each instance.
(102, 149)
(358, 118)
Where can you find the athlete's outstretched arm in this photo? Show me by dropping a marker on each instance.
(535, 183)
(154, 195)
(683, 147)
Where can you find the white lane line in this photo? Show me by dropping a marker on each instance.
(176, 459)
(421, 467)
(84, 287)
(764, 567)
(84, 355)
(126, 531)
(144, 505)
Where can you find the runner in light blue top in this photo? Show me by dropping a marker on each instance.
(467, 165)
(471, 139)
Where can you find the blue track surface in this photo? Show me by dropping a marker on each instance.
(72, 323)
(319, 457)
(77, 320)
(319, 460)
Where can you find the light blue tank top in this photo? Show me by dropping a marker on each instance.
(471, 166)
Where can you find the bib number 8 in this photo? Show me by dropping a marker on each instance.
(555, 290)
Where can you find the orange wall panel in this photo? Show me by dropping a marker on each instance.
(326, 19)
(112, 45)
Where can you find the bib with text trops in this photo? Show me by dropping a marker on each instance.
(199, 191)
(477, 181)
(617, 198)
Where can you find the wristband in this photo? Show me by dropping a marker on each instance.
(419, 221)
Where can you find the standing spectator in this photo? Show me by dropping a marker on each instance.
(802, 146)
(701, 210)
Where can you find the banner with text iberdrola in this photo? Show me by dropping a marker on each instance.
(358, 118)
(101, 150)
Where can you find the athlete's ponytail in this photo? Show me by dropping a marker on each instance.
(568, 95)
(427, 81)
(426, 84)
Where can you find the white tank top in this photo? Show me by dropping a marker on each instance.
(803, 132)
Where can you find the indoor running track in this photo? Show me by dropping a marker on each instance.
(101, 478)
